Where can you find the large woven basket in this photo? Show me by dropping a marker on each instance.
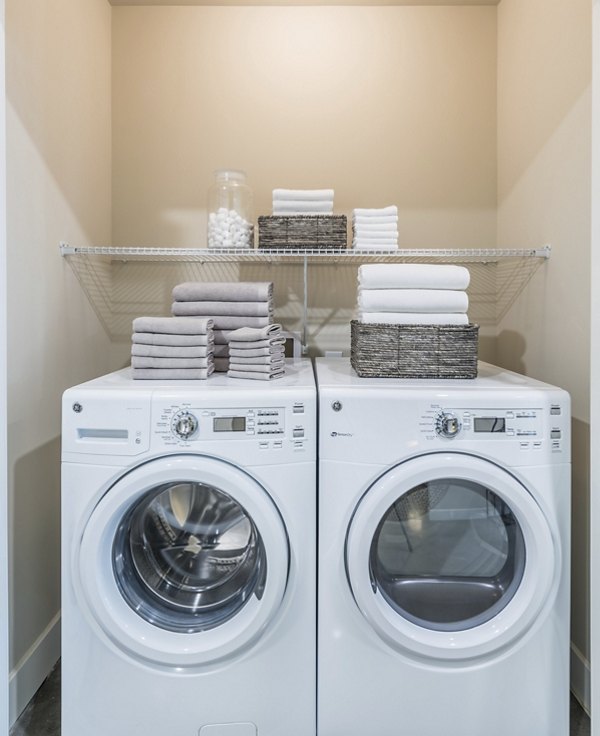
(301, 232)
(414, 351)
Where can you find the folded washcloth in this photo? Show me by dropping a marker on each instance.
(376, 246)
(221, 364)
(372, 220)
(274, 350)
(303, 194)
(166, 351)
(256, 376)
(412, 318)
(298, 207)
(163, 340)
(256, 367)
(146, 362)
(171, 374)
(173, 325)
(412, 276)
(250, 334)
(240, 360)
(215, 291)
(376, 212)
(412, 300)
(220, 309)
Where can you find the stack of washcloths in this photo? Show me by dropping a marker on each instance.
(257, 353)
(172, 348)
(229, 305)
(375, 229)
(413, 294)
(303, 201)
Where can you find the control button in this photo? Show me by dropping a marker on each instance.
(184, 424)
(298, 432)
(510, 432)
(537, 445)
(447, 425)
(263, 445)
(555, 434)
(524, 445)
(298, 409)
(278, 444)
(249, 431)
(555, 409)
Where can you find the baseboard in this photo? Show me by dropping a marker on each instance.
(580, 678)
(34, 667)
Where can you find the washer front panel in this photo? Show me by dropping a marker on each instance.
(449, 556)
(182, 562)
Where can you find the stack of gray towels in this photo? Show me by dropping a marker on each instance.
(229, 305)
(172, 348)
(257, 353)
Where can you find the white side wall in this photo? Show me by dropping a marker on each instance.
(544, 196)
(59, 145)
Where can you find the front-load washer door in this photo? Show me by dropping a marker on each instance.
(182, 562)
(450, 557)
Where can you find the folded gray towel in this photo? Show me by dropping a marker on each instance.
(161, 340)
(221, 351)
(256, 352)
(222, 322)
(249, 332)
(173, 325)
(275, 343)
(171, 374)
(222, 335)
(256, 376)
(221, 364)
(252, 368)
(170, 351)
(242, 291)
(141, 362)
(237, 362)
(227, 309)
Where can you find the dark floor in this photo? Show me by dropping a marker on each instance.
(42, 715)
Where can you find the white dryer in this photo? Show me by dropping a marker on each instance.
(444, 512)
(189, 569)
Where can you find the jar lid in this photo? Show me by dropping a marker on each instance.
(230, 174)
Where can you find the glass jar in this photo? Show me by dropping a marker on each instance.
(230, 218)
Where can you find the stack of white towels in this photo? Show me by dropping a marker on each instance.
(257, 353)
(303, 201)
(375, 229)
(172, 348)
(229, 305)
(413, 294)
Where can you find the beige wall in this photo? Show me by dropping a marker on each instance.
(544, 148)
(58, 141)
(384, 104)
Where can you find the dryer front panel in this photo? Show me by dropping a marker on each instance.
(449, 556)
(183, 561)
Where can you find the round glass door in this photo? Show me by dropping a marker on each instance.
(448, 556)
(187, 557)
(182, 561)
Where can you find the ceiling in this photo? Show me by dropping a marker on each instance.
(304, 2)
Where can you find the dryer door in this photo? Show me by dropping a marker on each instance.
(183, 561)
(449, 556)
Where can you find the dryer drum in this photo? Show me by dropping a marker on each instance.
(187, 556)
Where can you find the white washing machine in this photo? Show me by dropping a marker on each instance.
(444, 511)
(189, 557)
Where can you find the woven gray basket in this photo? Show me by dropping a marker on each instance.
(414, 351)
(301, 232)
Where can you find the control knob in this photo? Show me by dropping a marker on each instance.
(184, 425)
(447, 425)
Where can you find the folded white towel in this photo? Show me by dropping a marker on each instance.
(171, 374)
(413, 275)
(298, 207)
(375, 246)
(412, 318)
(250, 334)
(221, 364)
(239, 360)
(303, 194)
(275, 350)
(392, 228)
(163, 340)
(222, 309)
(374, 235)
(223, 291)
(375, 212)
(146, 362)
(379, 243)
(173, 325)
(256, 367)
(256, 376)
(230, 245)
(373, 220)
(170, 351)
(412, 300)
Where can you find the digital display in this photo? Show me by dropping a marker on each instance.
(229, 424)
(489, 424)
